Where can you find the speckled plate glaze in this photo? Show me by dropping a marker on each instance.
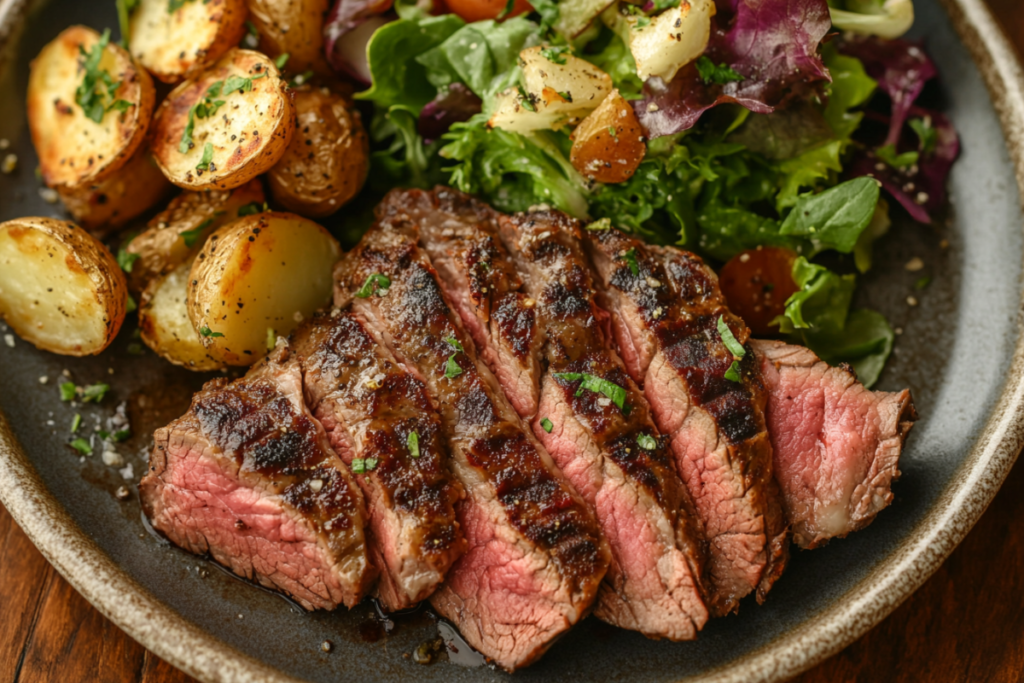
(960, 351)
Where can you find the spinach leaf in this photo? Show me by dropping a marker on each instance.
(835, 218)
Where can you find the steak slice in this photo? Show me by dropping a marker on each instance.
(668, 305)
(609, 449)
(837, 445)
(377, 412)
(460, 235)
(535, 554)
(247, 476)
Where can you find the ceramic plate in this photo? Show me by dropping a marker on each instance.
(959, 351)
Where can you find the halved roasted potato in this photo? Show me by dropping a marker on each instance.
(328, 159)
(225, 126)
(88, 114)
(60, 288)
(165, 325)
(132, 190)
(558, 89)
(294, 28)
(174, 39)
(608, 145)
(178, 232)
(666, 42)
(261, 273)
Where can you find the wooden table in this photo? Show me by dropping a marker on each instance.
(965, 624)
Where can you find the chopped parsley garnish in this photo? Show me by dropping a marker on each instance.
(207, 332)
(897, 161)
(730, 341)
(733, 373)
(186, 137)
(131, 306)
(96, 94)
(923, 282)
(630, 258)
(82, 446)
(95, 392)
(556, 55)
(526, 100)
(371, 463)
(363, 465)
(126, 259)
(451, 368)
(546, 425)
(76, 423)
(597, 385)
(565, 95)
(241, 83)
(175, 5)
(600, 225)
(119, 435)
(208, 106)
(250, 209)
(271, 339)
(614, 133)
(282, 60)
(509, 6)
(190, 237)
(204, 163)
(413, 442)
(647, 442)
(303, 77)
(67, 391)
(927, 135)
(661, 5)
(378, 282)
(642, 20)
(721, 74)
(251, 28)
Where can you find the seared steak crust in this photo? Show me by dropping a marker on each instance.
(371, 408)
(460, 236)
(535, 556)
(615, 456)
(837, 445)
(247, 475)
(668, 305)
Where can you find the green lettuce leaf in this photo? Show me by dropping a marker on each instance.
(835, 218)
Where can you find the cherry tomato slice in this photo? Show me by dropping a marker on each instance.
(756, 284)
(478, 10)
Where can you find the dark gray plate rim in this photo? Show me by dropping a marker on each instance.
(170, 636)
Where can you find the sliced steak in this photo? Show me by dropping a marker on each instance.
(608, 446)
(377, 413)
(668, 305)
(248, 477)
(460, 235)
(837, 445)
(535, 554)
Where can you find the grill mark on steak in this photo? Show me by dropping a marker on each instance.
(653, 584)
(369, 406)
(837, 445)
(460, 236)
(536, 555)
(667, 330)
(248, 476)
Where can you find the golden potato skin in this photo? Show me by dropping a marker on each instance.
(109, 204)
(608, 145)
(267, 271)
(60, 288)
(249, 133)
(175, 45)
(161, 247)
(293, 27)
(328, 159)
(165, 326)
(74, 150)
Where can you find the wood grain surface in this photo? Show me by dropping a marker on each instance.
(965, 624)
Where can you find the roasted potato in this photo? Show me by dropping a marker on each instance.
(608, 145)
(60, 288)
(327, 162)
(174, 39)
(177, 233)
(165, 325)
(132, 190)
(669, 41)
(558, 90)
(73, 148)
(225, 126)
(261, 273)
(295, 28)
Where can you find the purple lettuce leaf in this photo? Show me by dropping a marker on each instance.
(901, 69)
(772, 44)
(921, 187)
(345, 17)
(457, 104)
